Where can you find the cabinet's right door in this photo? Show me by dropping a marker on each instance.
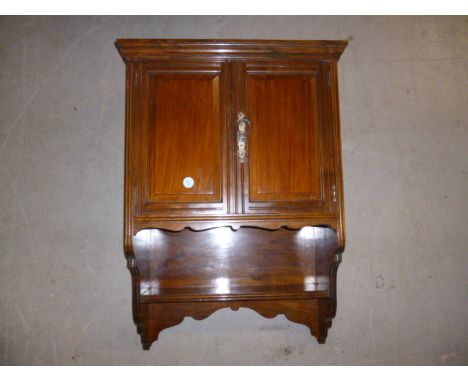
(289, 163)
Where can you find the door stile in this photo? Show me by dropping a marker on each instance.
(238, 105)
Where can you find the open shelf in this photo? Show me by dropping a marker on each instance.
(222, 264)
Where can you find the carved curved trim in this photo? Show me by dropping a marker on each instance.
(313, 313)
(176, 226)
(333, 298)
(135, 274)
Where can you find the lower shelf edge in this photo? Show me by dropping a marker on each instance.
(148, 299)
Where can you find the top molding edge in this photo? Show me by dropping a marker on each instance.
(148, 49)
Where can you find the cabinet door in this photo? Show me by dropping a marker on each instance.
(183, 159)
(288, 167)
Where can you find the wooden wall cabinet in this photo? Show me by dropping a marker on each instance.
(233, 180)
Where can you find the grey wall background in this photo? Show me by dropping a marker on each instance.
(402, 287)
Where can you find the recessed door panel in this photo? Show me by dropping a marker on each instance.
(184, 122)
(287, 138)
(185, 138)
(285, 160)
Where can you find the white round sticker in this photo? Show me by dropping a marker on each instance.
(188, 182)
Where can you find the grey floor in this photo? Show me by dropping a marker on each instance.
(402, 286)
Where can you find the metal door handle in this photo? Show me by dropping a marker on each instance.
(243, 123)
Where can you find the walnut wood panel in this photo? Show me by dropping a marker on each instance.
(284, 152)
(192, 251)
(183, 135)
(289, 168)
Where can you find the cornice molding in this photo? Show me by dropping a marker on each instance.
(150, 49)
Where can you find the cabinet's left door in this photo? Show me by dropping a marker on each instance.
(180, 137)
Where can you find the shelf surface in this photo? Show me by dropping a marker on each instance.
(221, 291)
